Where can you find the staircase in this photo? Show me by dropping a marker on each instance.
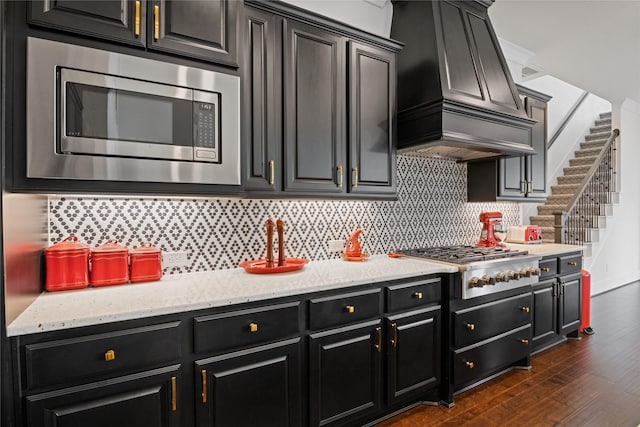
(592, 217)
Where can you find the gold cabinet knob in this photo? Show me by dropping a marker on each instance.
(573, 264)
(350, 308)
(253, 327)
(524, 341)
(109, 355)
(469, 364)
(471, 326)
(525, 309)
(545, 269)
(418, 295)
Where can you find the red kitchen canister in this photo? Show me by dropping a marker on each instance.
(67, 264)
(146, 263)
(109, 264)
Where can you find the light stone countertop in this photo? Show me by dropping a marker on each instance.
(194, 291)
(545, 249)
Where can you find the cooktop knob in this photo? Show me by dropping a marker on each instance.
(524, 272)
(501, 277)
(535, 271)
(474, 282)
(513, 275)
(487, 280)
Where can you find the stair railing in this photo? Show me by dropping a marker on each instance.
(572, 225)
(565, 120)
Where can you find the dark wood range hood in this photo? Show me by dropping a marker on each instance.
(456, 97)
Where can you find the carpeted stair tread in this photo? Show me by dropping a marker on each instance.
(550, 209)
(559, 199)
(592, 144)
(573, 179)
(606, 127)
(564, 189)
(576, 170)
(583, 161)
(589, 152)
(597, 136)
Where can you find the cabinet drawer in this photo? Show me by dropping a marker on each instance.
(475, 362)
(569, 264)
(548, 268)
(243, 328)
(413, 294)
(342, 309)
(478, 323)
(103, 355)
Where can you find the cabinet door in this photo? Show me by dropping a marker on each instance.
(545, 315)
(413, 353)
(200, 29)
(512, 177)
(537, 164)
(372, 101)
(255, 387)
(116, 20)
(314, 118)
(344, 373)
(570, 305)
(261, 89)
(149, 399)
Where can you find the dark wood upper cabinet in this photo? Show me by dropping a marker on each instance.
(204, 30)
(314, 72)
(372, 123)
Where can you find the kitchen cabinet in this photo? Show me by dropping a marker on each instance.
(521, 178)
(557, 301)
(204, 30)
(319, 106)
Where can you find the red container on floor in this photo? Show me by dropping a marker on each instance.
(67, 265)
(586, 303)
(109, 264)
(146, 264)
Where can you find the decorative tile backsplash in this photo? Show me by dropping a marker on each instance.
(219, 233)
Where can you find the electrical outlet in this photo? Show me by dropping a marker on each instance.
(175, 259)
(336, 245)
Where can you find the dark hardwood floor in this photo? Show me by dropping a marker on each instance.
(591, 382)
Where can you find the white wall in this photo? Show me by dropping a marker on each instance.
(373, 16)
(617, 260)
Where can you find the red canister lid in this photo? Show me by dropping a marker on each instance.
(145, 248)
(70, 244)
(110, 246)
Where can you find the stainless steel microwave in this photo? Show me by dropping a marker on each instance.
(101, 115)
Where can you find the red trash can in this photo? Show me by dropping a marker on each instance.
(586, 303)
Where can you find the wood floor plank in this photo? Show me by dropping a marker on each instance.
(594, 381)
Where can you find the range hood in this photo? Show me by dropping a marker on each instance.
(456, 97)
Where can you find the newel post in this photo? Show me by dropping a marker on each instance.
(559, 226)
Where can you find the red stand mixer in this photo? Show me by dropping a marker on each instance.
(487, 236)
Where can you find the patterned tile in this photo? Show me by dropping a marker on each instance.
(219, 233)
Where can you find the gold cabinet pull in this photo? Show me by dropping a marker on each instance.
(272, 172)
(156, 22)
(137, 19)
(109, 355)
(418, 295)
(204, 386)
(394, 340)
(471, 326)
(573, 264)
(545, 269)
(378, 344)
(469, 364)
(340, 176)
(253, 327)
(525, 309)
(524, 341)
(174, 392)
(355, 177)
(350, 308)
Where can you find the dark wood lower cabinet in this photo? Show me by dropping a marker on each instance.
(345, 373)
(570, 305)
(255, 387)
(545, 315)
(148, 399)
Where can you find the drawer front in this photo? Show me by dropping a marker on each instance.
(103, 355)
(569, 264)
(244, 328)
(471, 364)
(548, 268)
(414, 294)
(478, 323)
(343, 309)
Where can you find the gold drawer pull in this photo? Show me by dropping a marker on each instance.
(137, 19)
(355, 179)
(350, 308)
(340, 176)
(174, 392)
(471, 326)
(156, 22)
(204, 386)
(545, 269)
(272, 172)
(470, 364)
(525, 309)
(524, 341)
(418, 295)
(110, 355)
(378, 344)
(394, 340)
(573, 264)
(253, 327)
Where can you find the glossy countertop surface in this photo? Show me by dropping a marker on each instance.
(194, 291)
(546, 249)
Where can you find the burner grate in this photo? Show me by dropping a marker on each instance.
(462, 254)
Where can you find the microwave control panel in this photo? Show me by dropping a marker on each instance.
(206, 136)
